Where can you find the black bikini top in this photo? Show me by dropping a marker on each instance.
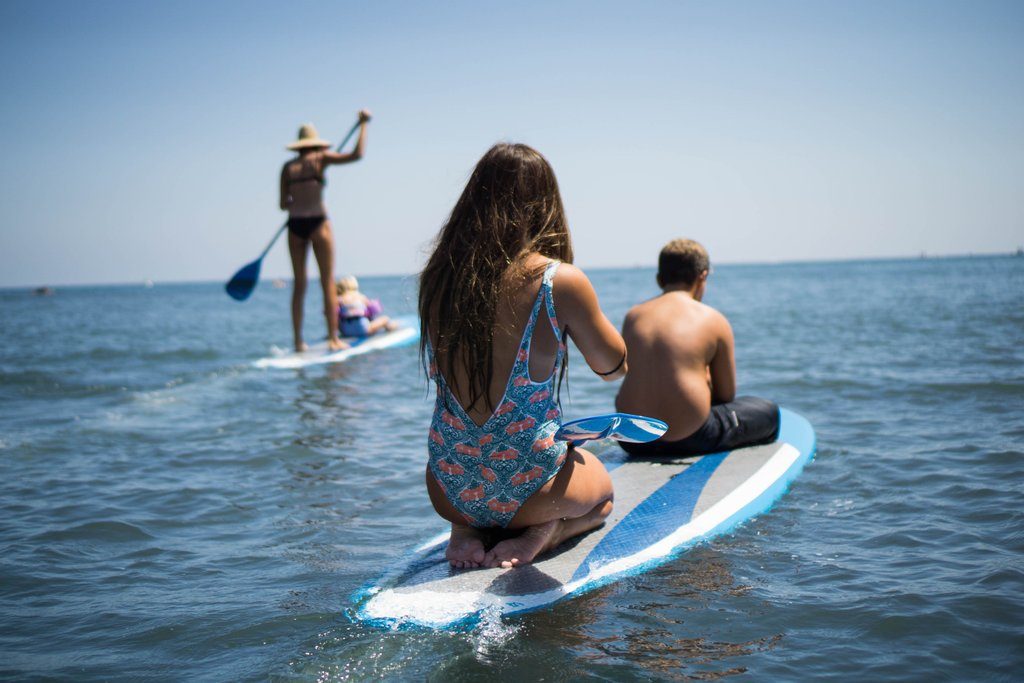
(318, 176)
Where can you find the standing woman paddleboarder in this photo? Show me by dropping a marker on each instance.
(302, 184)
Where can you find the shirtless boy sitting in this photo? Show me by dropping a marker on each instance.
(682, 366)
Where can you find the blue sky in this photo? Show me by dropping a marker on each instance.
(144, 139)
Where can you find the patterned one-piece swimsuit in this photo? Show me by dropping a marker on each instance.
(488, 471)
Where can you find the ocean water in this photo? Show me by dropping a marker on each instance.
(169, 512)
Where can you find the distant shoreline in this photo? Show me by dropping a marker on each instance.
(923, 256)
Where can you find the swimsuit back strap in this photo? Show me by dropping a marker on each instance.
(547, 287)
(544, 294)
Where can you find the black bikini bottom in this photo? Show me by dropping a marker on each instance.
(305, 226)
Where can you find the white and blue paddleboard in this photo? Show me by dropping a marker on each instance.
(408, 332)
(662, 507)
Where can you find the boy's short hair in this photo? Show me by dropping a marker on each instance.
(681, 262)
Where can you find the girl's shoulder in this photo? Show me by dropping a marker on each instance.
(537, 264)
(570, 280)
(573, 294)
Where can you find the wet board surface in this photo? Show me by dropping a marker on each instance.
(661, 508)
(407, 333)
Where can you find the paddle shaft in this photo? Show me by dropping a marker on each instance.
(276, 235)
(351, 132)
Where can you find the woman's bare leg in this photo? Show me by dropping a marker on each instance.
(576, 500)
(323, 249)
(298, 248)
(466, 544)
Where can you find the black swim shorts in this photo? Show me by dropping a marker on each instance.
(745, 421)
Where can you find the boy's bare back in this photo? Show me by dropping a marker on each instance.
(676, 345)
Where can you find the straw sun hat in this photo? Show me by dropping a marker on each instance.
(308, 137)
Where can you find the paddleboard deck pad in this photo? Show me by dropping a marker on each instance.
(661, 508)
(408, 332)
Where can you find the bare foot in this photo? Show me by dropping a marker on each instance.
(301, 346)
(336, 344)
(523, 548)
(465, 547)
(539, 538)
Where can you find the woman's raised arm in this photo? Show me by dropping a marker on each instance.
(356, 154)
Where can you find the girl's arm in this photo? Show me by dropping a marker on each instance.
(356, 154)
(579, 312)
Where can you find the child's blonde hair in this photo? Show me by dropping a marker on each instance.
(347, 284)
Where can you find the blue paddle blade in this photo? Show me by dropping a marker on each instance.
(618, 426)
(241, 285)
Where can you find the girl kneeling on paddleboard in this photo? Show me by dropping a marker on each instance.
(487, 306)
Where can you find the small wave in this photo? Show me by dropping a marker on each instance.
(896, 539)
(141, 353)
(110, 531)
(183, 353)
(28, 377)
(1011, 388)
(104, 353)
(1006, 457)
(35, 384)
(1005, 580)
(155, 398)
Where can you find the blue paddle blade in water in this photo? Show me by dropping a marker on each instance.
(618, 426)
(241, 285)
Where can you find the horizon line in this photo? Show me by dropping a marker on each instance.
(636, 266)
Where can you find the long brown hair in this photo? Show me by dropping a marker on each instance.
(510, 208)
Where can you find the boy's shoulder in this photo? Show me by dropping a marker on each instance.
(711, 316)
(696, 313)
